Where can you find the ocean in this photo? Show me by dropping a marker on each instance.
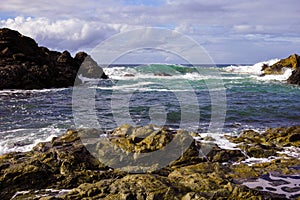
(178, 96)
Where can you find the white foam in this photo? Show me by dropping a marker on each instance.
(120, 72)
(252, 161)
(85, 79)
(52, 192)
(250, 69)
(11, 142)
(280, 77)
(291, 151)
(16, 91)
(20, 193)
(219, 139)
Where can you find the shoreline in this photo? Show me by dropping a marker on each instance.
(74, 173)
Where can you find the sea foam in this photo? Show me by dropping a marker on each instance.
(250, 69)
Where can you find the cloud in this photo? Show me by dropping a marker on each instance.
(218, 24)
(73, 34)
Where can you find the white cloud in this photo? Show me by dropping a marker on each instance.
(216, 24)
(72, 34)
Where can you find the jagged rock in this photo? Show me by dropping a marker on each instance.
(89, 68)
(268, 143)
(295, 77)
(140, 186)
(25, 65)
(66, 163)
(293, 62)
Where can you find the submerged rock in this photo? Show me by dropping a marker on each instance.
(25, 65)
(162, 74)
(65, 168)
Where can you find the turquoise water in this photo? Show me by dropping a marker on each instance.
(157, 93)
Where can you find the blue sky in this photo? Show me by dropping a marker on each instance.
(231, 31)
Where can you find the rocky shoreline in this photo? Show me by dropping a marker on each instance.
(64, 168)
(25, 65)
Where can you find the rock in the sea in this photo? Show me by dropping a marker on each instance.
(162, 74)
(89, 68)
(295, 77)
(25, 65)
(292, 62)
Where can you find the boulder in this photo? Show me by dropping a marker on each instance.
(25, 65)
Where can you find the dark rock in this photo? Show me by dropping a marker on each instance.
(65, 57)
(162, 74)
(89, 67)
(25, 65)
(128, 75)
(80, 56)
(295, 77)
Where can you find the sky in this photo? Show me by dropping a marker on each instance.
(231, 31)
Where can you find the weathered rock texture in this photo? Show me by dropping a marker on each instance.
(65, 163)
(25, 65)
(292, 62)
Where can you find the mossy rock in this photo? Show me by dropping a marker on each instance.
(201, 177)
(272, 137)
(139, 186)
(66, 163)
(292, 62)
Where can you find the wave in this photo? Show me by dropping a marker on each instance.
(250, 69)
(279, 77)
(151, 71)
(255, 71)
(21, 140)
(164, 71)
(18, 91)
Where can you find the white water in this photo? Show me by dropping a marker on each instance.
(255, 71)
(250, 69)
(11, 142)
(280, 77)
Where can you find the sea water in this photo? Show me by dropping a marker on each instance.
(251, 102)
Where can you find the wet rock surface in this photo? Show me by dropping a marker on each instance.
(291, 62)
(25, 65)
(64, 168)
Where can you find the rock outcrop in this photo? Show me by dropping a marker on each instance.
(292, 62)
(65, 169)
(295, 77)
(25, 65)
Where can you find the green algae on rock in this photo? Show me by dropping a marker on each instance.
(292, 62)
(66, 166)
